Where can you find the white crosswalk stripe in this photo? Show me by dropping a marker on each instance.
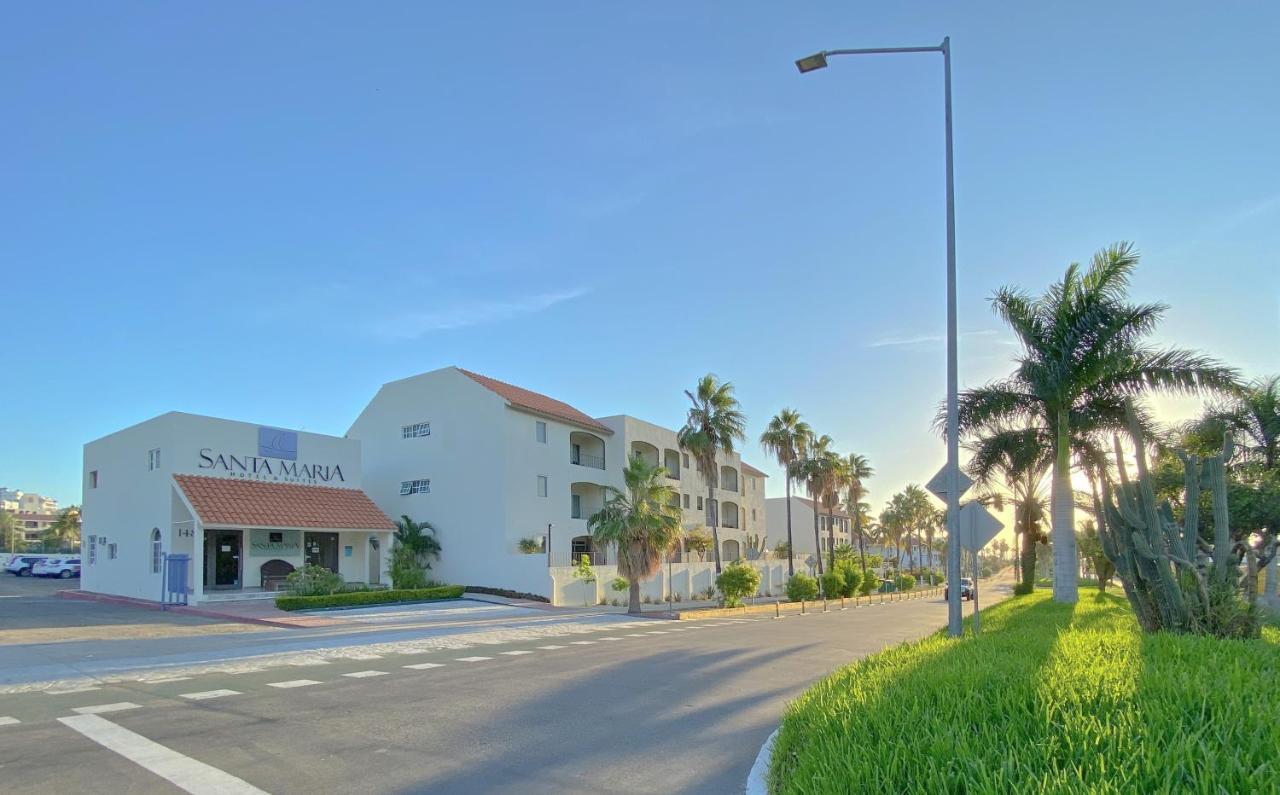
(101, 708)
(583, 642)
(424, 666)
(551, 648)
(5, 720)
(473, 659)
(517, 652)
(293, 683)
(208, 694)
(365, 674)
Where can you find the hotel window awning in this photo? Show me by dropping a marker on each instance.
(250, 503)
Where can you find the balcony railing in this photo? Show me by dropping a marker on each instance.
(587, 460)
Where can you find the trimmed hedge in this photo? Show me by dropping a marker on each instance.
(1051, 698)
(508, 593)
(362, 598)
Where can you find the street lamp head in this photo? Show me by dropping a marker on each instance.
(816, 61)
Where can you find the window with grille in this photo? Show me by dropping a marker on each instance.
(415, 430)
(422, 486)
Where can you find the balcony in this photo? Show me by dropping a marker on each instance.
(586, 459)
(586, 450)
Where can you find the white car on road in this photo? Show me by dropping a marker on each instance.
(64, 568)
(21, 565)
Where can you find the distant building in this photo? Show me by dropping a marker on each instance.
(19, 501)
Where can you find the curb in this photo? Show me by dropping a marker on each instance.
(90, 596)
(757, 779)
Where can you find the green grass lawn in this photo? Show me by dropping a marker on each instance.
(1049, 699)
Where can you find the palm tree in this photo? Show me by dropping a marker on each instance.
(1083, 353)
(64, 533)
(859, 471)
(835, 478)
(919, 515)
(715, 423)
(13, 539)
(812, 471)
(1251, 416)
(785, 439)
(415, 546)
(641, 521)
(1019, 458)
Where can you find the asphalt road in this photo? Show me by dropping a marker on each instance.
(624, 706)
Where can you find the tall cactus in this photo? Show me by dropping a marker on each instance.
(1175, 579)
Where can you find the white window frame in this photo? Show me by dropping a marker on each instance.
(415, 430)
(112, 551)
(544, 485)
(153, 459)
(540, 431)
(417, 486)
(157, 551)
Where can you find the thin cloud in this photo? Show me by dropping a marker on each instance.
(462, 314)
(926, 339)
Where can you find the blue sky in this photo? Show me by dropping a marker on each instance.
(264, 211)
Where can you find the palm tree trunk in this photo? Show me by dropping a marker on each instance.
(817, 538)
(862, 550)
(791, 548)
(1065, 568)
(714, 515)
(633, 602)
(831, 539)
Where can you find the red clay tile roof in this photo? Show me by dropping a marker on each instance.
(250, 503)
(752, 470)
(532, 401)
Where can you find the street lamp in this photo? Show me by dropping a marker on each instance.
(819, 61)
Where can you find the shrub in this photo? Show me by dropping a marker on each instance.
(869, 583)
(738, 580)
(802, 587)
(1023, 588)
(312, 580)
(1051, 698)
(905, 582)
(852, 577)
(531, 546)
(361, 598)
(406, 569)
(507, 592)
(832, 584)
(619, 584)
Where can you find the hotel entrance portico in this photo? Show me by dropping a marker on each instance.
(252, 534)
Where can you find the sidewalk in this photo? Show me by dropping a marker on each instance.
(263, 612)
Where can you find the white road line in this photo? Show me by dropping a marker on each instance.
(656, 632)
(582, 642)
(293, 683)
(101, 708)
(636, 635)
(205, 695)
(70, 690)
(473, 659)
(611, 639)
(424, 666)
(182, 771)
(5, 720)
(517, 652)
(551, 648)
(676, 629)
(366, 674)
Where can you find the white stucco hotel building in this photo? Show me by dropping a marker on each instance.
(247, 503)
(487, 463)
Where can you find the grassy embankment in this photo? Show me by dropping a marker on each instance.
(1048, 699)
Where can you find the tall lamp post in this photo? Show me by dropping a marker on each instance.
(819, 61)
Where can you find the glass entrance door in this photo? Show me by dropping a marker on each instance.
(322, 550)
(226, 560)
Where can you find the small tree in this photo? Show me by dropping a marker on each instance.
(802, 587)
(582, 571)
(832, 584)
(849, 572)
(530, 546)
(698, 540)
(312, 580)
(415, 545)
(1091, 550)
(905, 582)
(782, 550)
(738, 580)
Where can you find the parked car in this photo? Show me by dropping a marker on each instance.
(20, 565)
(64, 568)
(966, 589)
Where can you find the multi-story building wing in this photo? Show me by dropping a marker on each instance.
(802, 526)
(509, 477)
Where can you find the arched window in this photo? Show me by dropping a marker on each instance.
(157, 554)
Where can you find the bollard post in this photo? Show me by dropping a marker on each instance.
(801, 607)
(777, 609)
(842, 607)
(824, 604)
